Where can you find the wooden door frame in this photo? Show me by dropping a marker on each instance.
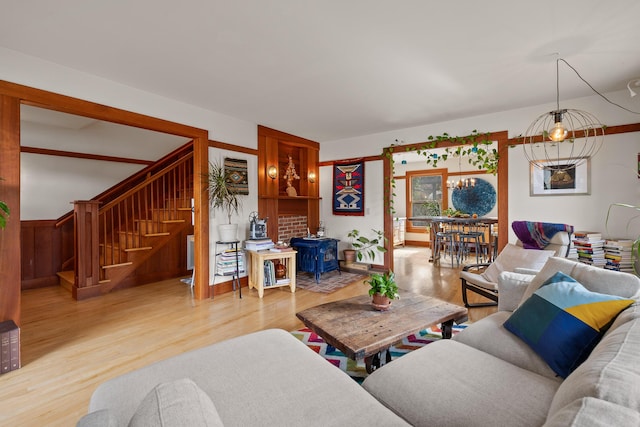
(13, 95)
(502, 140)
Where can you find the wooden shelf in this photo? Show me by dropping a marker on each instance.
(275, 148)
(283, 197)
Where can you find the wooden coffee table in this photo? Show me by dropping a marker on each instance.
(355, 328)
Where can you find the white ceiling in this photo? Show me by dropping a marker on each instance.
(332, 69)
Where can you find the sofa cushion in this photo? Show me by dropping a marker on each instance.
(490, 336)
(174, 404)
(593, 278)
(562, 321)
(590, 412)
(512, 257)
(447, 383)
(101, 418)
(611, 372)
(286, 382)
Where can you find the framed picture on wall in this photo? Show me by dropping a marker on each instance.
(348, 188)
(561, 177)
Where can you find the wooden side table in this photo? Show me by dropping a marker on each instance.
(257, 276)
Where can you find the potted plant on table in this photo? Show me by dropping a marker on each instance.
(383, 289)
(224, 198)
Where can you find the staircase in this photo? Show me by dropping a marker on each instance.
(116, 238)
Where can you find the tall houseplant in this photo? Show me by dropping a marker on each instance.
(366, 247)
(223, 198)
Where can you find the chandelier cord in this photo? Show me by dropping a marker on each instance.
(587, 83)
(558, 83)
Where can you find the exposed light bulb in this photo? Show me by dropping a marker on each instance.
(558, 133)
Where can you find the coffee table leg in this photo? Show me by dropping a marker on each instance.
(447, 329)
(374, 362)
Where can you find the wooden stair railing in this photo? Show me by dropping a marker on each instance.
(132, 227)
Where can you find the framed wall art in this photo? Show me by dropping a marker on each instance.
(348, 188)
(561, 179)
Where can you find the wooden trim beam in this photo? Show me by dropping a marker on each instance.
(231, 147)
(67, 104)
(358, 159)
(49, 152)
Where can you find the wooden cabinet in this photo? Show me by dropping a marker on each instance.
(274, 148)
(399, 225)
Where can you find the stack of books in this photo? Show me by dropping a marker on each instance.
(226, 262)
(281, 248)
(9, 346)
(269, 273)
(590, 248)
(617, 253)
(258, 244)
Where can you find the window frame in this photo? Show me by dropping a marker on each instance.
(409, 175)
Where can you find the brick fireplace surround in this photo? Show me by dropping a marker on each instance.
(291, 226)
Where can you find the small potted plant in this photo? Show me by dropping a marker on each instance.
(223, 198)
(383, 289)
(366, 247)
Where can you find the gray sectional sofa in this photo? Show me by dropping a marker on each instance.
(485, 376)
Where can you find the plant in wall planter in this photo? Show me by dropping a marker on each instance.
(221, 197)
(382, 289)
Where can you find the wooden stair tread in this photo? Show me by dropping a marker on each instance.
(172, 221)
(123, 264)
(69, 275)
(142, 248)
(156, 234)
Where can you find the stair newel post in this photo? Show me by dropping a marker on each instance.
(86, 245)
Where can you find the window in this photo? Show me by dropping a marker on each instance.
(426, 195)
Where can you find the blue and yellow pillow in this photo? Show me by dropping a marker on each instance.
(563, 321)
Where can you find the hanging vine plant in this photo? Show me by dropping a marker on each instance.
(4, 212)
(476, 147)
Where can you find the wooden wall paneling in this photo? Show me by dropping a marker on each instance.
(41, 254)
(10, 258)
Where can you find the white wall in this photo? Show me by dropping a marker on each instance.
(613, 169)
(338, 226)
(18, 68)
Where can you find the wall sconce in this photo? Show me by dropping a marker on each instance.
(272, 172)
(312, 177)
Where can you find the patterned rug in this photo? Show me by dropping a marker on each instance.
(356, 369)
(329, 282)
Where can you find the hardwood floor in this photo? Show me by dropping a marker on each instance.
(70, 347)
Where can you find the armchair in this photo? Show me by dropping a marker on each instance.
(537, 241)
(512, 258)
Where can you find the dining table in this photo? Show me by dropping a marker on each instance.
(457, 220)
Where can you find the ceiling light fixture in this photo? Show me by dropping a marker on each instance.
(562, 139)
(634, 83)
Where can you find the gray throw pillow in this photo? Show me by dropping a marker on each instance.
(176, 404)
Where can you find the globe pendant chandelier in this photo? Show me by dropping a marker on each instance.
(562, 139)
